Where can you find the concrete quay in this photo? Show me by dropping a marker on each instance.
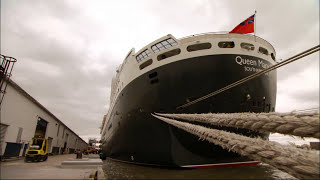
(53, 168)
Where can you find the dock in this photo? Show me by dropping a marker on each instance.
(53, 168)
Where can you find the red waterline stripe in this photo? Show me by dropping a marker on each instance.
(136, 163)
(203, 166)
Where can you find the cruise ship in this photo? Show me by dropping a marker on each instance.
(171, 72)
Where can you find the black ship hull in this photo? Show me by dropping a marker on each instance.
(133, 135)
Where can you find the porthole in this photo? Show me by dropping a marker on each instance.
(152, 75)
(153, 81)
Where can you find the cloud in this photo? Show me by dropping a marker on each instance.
(287, 139)
(300, 90)
(54, 65)
(68, 50)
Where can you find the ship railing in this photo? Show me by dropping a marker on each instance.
(224, 33)
(200, 34)
(219, 33)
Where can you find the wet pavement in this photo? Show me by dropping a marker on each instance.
(50, 169)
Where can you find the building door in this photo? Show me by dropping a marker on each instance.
(76, 145)
(3, 130)
(49, 144)
(64, 147)
(24, 149)
(19, 135)
(41, 128)
(12, 150)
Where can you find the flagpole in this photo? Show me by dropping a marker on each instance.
(255, 22)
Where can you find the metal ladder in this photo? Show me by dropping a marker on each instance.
(6, 67)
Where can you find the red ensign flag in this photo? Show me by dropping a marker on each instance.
(247, 26)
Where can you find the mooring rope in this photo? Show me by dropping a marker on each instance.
(271, 68)
(297, 123)
(298, 162)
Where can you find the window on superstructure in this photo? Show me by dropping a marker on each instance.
(247, 46)
(263, 51)
(168, 54)
(273, 57)
(197, 47)
(145, 64)
(164, 45)
(226, 44)
(144, 54)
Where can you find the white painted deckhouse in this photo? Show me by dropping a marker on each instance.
(23, 117)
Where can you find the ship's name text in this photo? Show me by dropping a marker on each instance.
(241, 61)
(251, 65)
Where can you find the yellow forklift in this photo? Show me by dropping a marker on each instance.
(38, 150)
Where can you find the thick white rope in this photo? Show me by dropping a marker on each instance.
(300, 163)
(303, 124)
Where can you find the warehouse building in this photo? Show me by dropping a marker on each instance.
(23, 117)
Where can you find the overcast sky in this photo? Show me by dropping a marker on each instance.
(68, 50)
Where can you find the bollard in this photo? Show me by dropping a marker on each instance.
(79, 154)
